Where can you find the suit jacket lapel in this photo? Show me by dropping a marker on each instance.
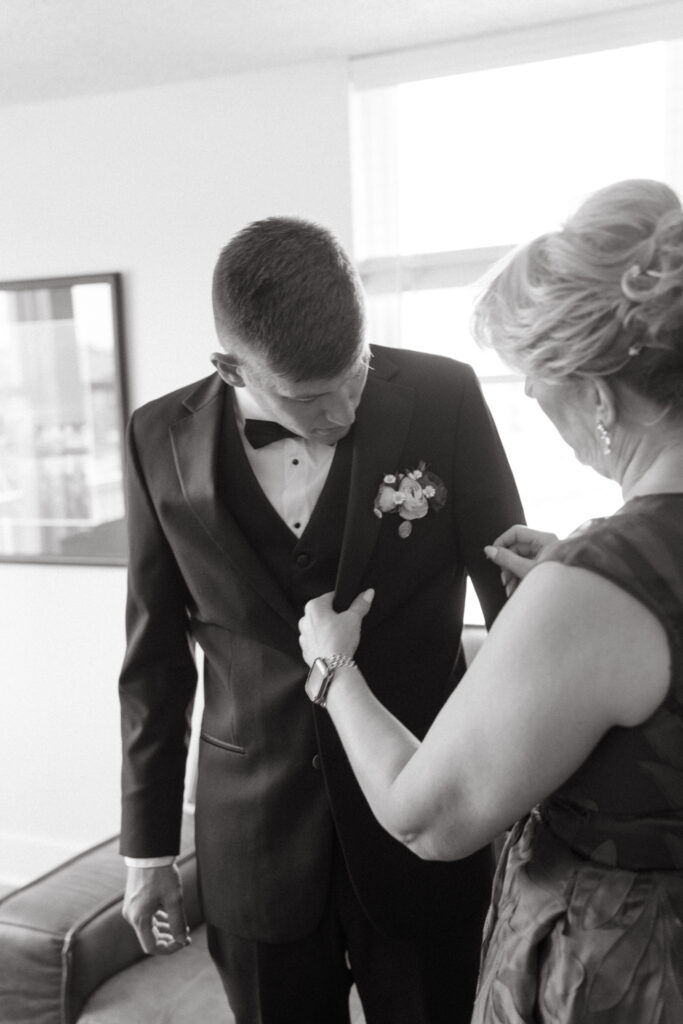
(380, 433)
(195, 441)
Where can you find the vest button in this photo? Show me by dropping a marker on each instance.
(316, 761)
(303, 560)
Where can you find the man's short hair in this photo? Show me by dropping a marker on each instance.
(285, 289)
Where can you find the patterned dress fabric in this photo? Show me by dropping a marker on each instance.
(586, 919)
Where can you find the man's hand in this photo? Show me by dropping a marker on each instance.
(153, 906)
(515, 553)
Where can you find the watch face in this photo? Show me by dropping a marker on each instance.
(316, 678)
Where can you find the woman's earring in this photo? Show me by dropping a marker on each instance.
(604, 435)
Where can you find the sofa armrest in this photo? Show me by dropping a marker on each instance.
(62, 935)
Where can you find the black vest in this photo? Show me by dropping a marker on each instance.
(305, 566)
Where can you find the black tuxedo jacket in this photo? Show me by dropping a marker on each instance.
(268, 807)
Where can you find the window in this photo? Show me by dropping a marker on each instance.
(450, 172)
(62, 414)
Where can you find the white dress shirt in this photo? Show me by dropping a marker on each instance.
(292, 473)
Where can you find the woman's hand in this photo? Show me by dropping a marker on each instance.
(325, 632)
(516, 551)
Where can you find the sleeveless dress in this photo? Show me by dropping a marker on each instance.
(586, 919)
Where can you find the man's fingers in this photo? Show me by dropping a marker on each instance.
(160, 925)
(166, 938)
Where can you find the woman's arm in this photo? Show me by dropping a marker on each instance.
(568, 658)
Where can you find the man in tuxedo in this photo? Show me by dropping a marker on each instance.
(249, 493)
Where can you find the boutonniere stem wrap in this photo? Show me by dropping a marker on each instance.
(412, 494)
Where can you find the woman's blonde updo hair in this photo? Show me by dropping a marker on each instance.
(601, 297)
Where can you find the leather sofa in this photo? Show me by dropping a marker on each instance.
(67, 955)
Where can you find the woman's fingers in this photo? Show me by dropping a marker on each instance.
(513, 536)
(524, 540)
(509, 562)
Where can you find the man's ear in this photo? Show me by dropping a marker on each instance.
(228, 369)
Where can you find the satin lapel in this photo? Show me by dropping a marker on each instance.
(195, 445)
(380, 434)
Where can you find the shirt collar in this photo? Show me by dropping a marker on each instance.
(247, 408)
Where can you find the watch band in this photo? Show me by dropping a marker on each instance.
(332, 663)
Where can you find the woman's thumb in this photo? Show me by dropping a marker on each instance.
(361, 604)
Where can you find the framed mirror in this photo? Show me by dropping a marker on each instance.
(63, 407)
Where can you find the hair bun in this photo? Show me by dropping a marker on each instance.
(652, 286)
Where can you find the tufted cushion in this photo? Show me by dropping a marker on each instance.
(62, 935)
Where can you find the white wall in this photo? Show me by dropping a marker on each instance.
(150, 183)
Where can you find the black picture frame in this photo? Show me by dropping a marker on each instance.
(63, 411)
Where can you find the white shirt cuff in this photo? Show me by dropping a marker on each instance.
(148, 862)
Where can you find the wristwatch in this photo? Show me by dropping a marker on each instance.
(321, 674)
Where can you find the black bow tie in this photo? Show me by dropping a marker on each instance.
(259, 433)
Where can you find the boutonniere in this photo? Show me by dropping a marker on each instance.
(412, 494)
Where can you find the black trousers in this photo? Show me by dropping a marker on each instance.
(308, 981)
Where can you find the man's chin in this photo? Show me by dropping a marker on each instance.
(328, 435)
